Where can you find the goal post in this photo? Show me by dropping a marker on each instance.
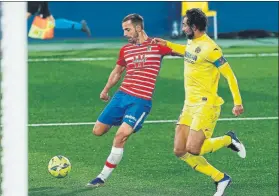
(14, 115)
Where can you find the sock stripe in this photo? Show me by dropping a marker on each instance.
(110, 165)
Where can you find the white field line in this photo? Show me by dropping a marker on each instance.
(167, 57)
(150, 121)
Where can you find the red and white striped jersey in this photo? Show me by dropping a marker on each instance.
(143, 63)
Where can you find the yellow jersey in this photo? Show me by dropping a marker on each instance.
(203, 59)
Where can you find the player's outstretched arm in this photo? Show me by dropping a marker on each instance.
(114, 77)
(227, 72)
(176, 48)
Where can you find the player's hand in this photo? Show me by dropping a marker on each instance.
(159, 41)
(104, 96)
(237, 110)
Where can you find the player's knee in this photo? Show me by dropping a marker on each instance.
(179, 152)
(178, 128)
(120, 137)
(98, 130)
(194, 150)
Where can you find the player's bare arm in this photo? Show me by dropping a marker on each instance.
(228, 73)
(114, 77)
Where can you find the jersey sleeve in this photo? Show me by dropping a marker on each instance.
(216, 57)
(177, 48)
(164, 50)
(121, 59)
(227, 72)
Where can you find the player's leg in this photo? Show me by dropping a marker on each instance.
(204, 121)
(229, 140)
(132, 122)
(100, 128)
(182, 130)
(62, 23)
(180, 139)
(208, 118)
(184, 137)
(202, 127)
(194, 143)
(112, 115)
(122, 135)
(187, 140)
(133, 119)
(200, 164)
(115, 156)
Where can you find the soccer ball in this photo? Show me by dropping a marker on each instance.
(59, 166)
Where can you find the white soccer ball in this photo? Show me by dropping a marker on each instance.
(59, 166)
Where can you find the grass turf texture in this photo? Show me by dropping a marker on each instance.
(69, 92)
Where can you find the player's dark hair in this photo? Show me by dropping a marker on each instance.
(196, 17)
(136, 19)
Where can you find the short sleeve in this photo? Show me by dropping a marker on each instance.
(216, 57)
(121, 59)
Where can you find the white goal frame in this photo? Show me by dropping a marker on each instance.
(14, 99)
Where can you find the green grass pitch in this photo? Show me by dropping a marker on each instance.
(68, 91)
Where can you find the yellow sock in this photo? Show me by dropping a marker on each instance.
(200, 164)
(214, 144)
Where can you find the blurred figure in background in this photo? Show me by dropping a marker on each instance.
(45, 22)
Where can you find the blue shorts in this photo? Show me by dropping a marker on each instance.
(126, 108)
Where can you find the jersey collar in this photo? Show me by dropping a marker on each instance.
(200, 38)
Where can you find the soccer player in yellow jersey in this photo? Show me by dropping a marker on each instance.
(203, 63)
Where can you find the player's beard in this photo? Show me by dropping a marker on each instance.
(190, 35)
(134, 39)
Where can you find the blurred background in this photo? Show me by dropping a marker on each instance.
(230, 23)
(105, 18)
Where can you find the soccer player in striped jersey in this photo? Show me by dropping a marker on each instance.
(132, 103)
(203, 63)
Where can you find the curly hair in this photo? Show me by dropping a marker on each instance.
(196, 17)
